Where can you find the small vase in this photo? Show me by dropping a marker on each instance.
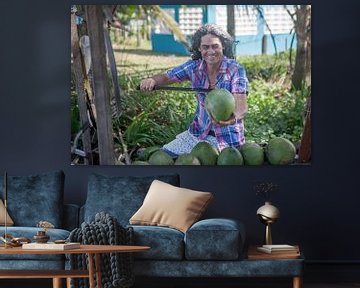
(41, 237)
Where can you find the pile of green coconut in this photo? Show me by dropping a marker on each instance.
(279, 151)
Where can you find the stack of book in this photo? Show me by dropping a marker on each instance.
(51, 246)
(282, 251)
(278, 249)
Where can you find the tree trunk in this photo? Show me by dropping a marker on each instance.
(305, 144)
(230, 9)
(95, 25)
(302, 69)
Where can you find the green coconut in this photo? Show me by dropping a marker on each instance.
(160, 158)
(230, 156)
(253, 154)
(280, 151)
(205, 152)
(187, 159)
(145, 153)
(220, 104)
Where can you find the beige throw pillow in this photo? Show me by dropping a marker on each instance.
(9, 221)
(170, 206)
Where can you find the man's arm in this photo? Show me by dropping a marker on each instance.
(157, 80)
(241, 106)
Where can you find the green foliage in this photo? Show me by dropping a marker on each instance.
(274, 111)
(266, 67)
(152, 118)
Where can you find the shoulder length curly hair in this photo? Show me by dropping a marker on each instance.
(226, 40)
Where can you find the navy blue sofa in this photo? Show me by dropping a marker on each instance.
(210, 248)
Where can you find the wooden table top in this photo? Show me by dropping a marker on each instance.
(92, 249)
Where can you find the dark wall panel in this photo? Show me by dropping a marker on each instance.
(318, 203)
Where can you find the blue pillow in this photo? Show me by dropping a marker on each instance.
(119, 196)
(35, 198)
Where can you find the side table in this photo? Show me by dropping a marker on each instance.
(289, 258)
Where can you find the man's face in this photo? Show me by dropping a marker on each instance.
(211, 49)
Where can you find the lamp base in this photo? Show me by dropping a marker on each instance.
(268, 237)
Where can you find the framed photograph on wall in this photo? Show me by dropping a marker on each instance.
(191, 85)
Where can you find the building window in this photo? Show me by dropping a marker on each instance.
(278, 19)
(190, 19)
(245, 19)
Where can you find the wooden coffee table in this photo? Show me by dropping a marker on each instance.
(93, 251)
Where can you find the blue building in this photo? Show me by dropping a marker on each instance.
(267, 28)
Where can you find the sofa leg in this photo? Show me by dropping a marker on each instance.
(297, 282)
(57, 283)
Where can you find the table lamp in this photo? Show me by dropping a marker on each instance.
(268, 214)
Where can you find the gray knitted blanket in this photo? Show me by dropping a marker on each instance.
(116, 268)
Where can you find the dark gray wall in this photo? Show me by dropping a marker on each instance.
(318, 203)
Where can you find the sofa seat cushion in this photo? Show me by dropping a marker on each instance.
(29, 232)
(166, 243)
(214, 239)
(120, 196)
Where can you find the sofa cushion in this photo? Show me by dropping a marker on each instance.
(165, 243)
(9, 221)
(170, 206)
(35, 198)
(214, 239)
(120, 196)
(29, 232)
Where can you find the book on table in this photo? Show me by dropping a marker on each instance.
(51, 246)
(278, 249)
(255, 254)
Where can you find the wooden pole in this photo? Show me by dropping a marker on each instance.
(80, 89)
(95, 26)
(114, 75)
(305, 144)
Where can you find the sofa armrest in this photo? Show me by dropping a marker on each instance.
(215, 239)
(71, 216)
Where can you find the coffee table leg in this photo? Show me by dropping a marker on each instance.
(57, 283)
(91, 270)
(68, 282)
(297, 282)
(98, 270)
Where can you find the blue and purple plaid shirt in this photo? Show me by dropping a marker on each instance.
(231, 77)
